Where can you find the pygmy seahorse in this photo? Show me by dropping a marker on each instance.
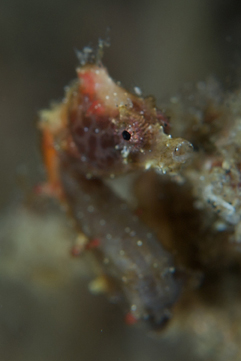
(100, 131)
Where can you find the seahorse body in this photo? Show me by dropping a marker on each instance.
(100, 130)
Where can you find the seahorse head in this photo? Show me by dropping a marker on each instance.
(111, 131)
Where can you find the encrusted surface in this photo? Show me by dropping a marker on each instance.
(100, 132)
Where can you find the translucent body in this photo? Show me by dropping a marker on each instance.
(129, 254)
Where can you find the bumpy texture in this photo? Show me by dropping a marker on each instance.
(102, 131)
(192, 211)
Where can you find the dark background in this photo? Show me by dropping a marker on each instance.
(156, 45)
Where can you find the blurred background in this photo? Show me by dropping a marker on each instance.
(46, 311)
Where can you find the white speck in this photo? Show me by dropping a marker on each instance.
(133, 307)
(220, 226)
(172, 269)
(86, 129)
(91, 209)
(137, 90)
(85, 55)
(107, 97)
(102, 222)
(148, 165)
(109, 236)
(139, 242)
(125, 152)
(127, 229)
(115, 94)
(226, 165)
(83, 158)
(96, 130)
(182, 152)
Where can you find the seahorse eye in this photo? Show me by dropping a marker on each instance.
(126, 135)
